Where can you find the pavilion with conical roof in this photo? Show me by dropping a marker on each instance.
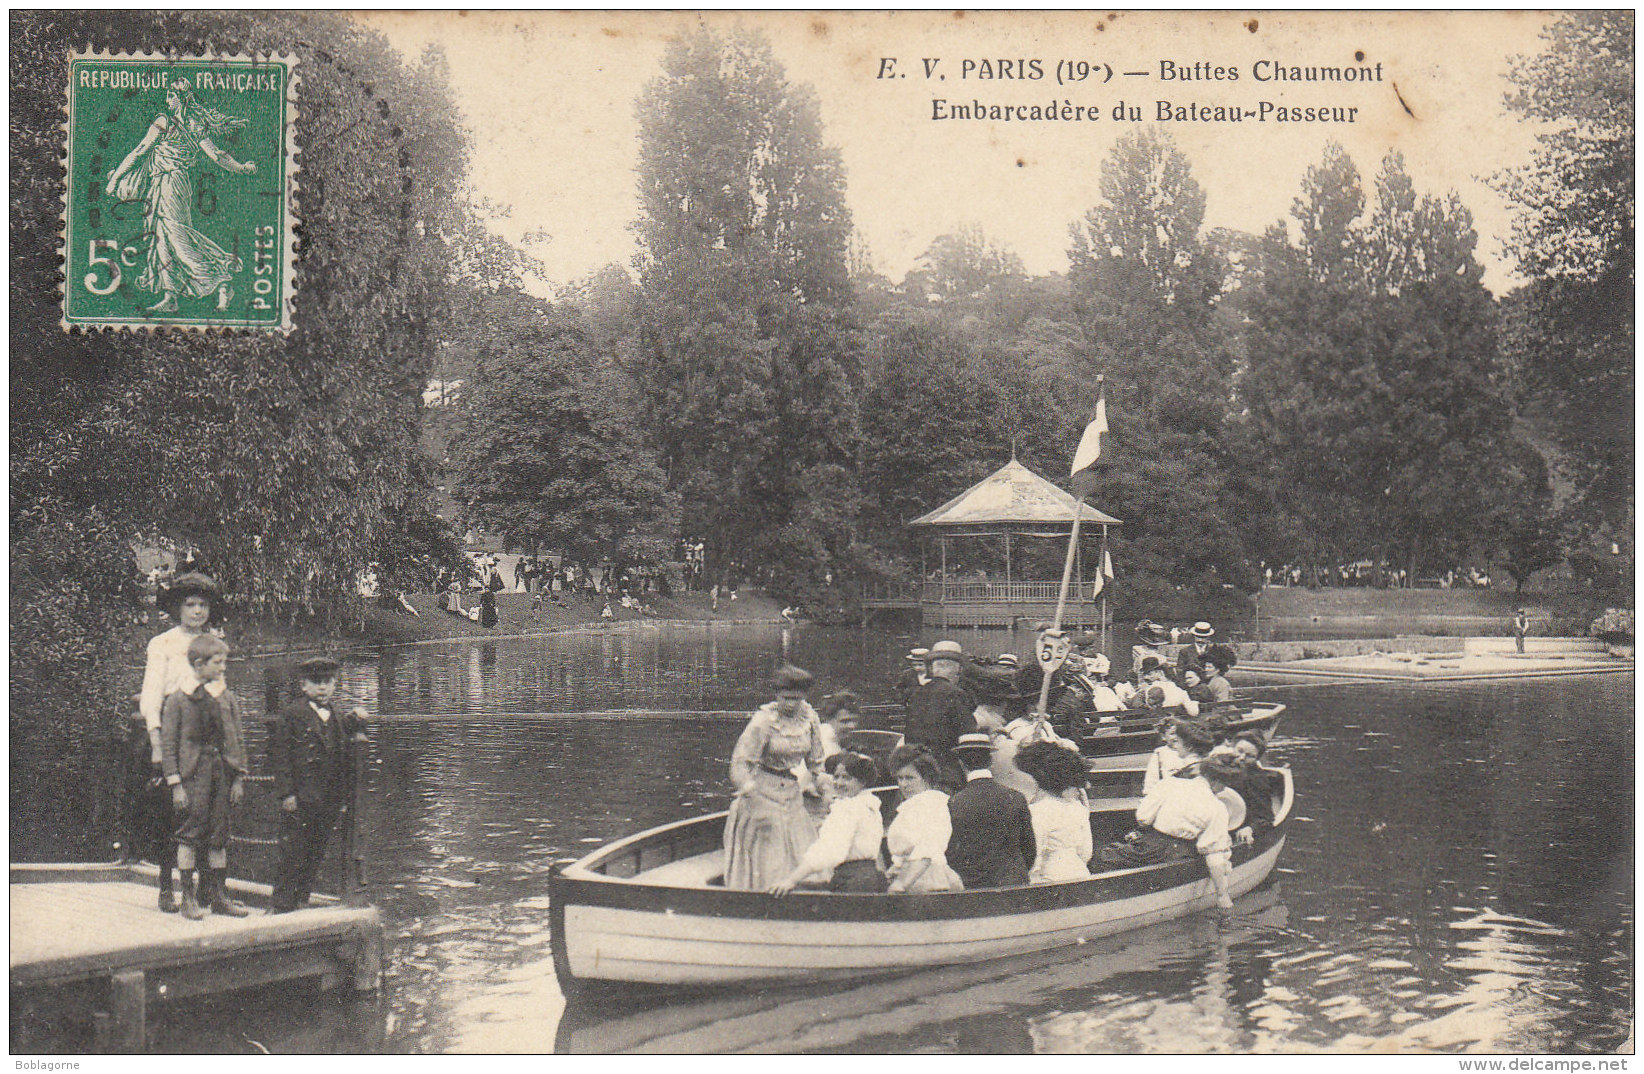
(1013, 502)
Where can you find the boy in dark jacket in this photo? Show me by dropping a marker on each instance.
(310, 762)
(202, 754)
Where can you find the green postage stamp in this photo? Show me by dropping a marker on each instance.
(179, 209)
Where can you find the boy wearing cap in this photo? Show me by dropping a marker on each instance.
(202, 753)
(309, 757)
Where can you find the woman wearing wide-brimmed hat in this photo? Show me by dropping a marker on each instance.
(768, 828)
(189, 600)
(1151, 638)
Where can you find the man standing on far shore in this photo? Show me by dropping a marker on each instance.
(1521, 627)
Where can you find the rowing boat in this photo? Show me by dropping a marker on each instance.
(1136, 732)
(651, 909)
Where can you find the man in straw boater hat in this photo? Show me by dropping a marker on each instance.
(1192, 654)
(940, 710)
(913, 675)
(992, 845)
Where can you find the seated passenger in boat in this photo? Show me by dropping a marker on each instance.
(915, 674)
(846, 853)
(1060, 812)
(918, 836)
(1185, 742)
(768, 828)
(1151, 638)
(1103, 696)
(1180, 819)
(1258, 786)
(1215, 689)
(840, 714)
(992, 844)
(1156, 686)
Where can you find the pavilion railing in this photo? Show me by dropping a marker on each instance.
(976, 592)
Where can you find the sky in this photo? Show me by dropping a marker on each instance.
(549, 98)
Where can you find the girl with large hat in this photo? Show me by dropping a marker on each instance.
(189, 600)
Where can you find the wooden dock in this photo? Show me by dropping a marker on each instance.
(88, 944)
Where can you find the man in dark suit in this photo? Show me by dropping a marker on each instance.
(1192, 654)
(992, 845)
(941, 710)
(310, 759)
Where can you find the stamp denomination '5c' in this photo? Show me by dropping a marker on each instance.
(179, 210)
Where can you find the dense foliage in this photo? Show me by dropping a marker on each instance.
(547, 454)
(1574, 241)
(749, 358)
(288, 461)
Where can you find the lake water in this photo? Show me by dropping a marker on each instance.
(1459, 875)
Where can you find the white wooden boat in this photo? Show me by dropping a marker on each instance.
(1136, 731)
(650, 910)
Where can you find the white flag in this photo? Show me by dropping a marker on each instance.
(1090, 444)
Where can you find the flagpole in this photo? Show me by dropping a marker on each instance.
(1067, 573)
(1061, 599)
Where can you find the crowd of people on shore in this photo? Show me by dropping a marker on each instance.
(1367, 573)
(186, 762)
(991, 779)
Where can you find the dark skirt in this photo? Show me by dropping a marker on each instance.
(1144, 847)
(858, 874)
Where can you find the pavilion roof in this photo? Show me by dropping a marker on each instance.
(1012, 495)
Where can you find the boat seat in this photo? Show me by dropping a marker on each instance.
(697, 871)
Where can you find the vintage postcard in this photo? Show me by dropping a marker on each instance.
(827, 532)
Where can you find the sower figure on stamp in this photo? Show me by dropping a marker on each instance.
(310, 759)
(205, 764)
(158, 172)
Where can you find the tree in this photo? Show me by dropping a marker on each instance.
(964, 264)
(289, 461)
(1145, 291)
(549, 454)
(1377, 398)
(748, 357)
(1574, 240)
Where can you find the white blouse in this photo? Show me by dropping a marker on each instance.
(852, 830)
(166, 672)
(1062, 830)
(1187, 809)
(921, 829)
(1162, 764)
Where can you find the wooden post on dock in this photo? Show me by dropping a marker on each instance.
(353, 841)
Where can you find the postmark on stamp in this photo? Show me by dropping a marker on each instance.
(179, 210)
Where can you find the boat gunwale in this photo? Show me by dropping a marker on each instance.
(598, 889)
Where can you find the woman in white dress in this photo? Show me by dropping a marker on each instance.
(918, 837)
(1060, 812)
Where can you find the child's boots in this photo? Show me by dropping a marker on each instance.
(191, 907)
(219, 901)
